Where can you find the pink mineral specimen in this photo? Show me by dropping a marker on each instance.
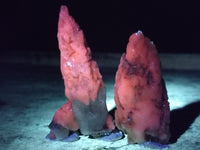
(80, 73)
(84, 86)
(140, 94)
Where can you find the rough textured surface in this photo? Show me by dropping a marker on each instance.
(80, 73)
(140, 95)
(86, 107)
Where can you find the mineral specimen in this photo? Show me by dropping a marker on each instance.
(84, 87)
(140, 94)
(63, 121)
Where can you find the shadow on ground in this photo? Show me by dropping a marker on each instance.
(182, 118)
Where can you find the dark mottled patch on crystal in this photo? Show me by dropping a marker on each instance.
(149, 137)
(129, 118)
(136, 69)
(150, 79)
(157, 103)
(133, 68)
(164, 90)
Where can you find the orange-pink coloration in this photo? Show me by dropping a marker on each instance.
(86, 108)
(109, 123)
(64, 117)
(140, 95)
(80, 73)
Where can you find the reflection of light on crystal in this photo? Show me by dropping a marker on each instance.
(139, 32)
(69, 63)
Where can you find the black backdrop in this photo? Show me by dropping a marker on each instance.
(174, 26)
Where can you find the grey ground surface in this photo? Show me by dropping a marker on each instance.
(30, 95)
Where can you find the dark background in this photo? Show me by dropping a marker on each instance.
(107, 24)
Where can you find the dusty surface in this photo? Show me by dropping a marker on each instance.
(30, 95)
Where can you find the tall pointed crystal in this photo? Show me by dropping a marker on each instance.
(84, 86)
(140, 94)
